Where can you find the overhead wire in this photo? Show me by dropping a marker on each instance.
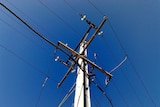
(75, 10)
(120, 94)
(47, 77)
(22, 59)
(96, 102)
(96, 8)
(20, 32)
(133, 67)
(134, 91)
(25, 61)
(122, 47)
(60, 18)
(100, 87)
(130, 84)
(33, 21)
(39, 97)
(44, 83)
(103, 92)
(67, 95)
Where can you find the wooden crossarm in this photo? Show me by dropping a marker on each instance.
(84, 58)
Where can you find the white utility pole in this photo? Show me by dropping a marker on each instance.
(82, 90)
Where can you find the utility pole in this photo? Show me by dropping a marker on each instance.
(82, 90)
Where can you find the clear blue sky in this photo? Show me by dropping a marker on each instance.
(25, 58)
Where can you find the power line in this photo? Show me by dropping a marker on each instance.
(24, 35)
(135, 93)
(97, 104)
(44, 83)
(75, 10)
(67, 95)
(22, 59)
(104, 93)
(54, 13)
(132, 65)
(39, 97)
(26, 62)
(33, 21)
(120, 94)
(96, 8)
